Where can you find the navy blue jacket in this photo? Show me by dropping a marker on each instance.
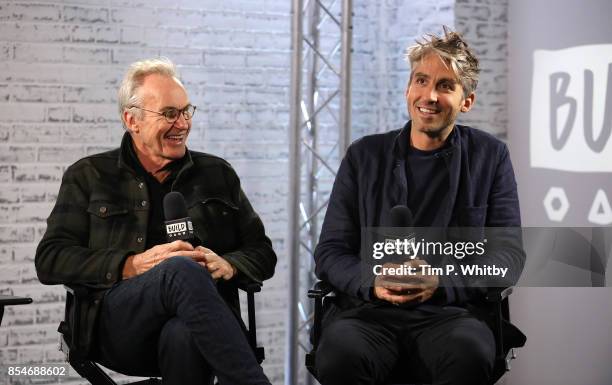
(372, 179)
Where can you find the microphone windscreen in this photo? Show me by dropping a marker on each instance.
(174, 206)
(401, 216)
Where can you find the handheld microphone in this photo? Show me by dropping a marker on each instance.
(177, 221)
(401, 216)
(402, 222)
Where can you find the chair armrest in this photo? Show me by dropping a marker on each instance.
(252, 287)
(69, 327)
(249, 287)
(320, 289)
(78, 291)
(497, 300)
(8, 300)
(498, 294)
(76, 295)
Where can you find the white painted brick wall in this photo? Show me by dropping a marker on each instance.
(485, 26)
(388, 28)
(61, 62)
(396, 26)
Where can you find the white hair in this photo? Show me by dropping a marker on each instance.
(134, 77)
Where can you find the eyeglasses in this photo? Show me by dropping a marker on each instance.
(172, 114)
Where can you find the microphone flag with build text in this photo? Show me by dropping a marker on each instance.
(178, 225)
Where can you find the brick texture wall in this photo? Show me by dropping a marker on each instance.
(484, 23)
(381, 75)
(61, 63)
(400, 23)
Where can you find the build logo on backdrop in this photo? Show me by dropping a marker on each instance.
(571, 122)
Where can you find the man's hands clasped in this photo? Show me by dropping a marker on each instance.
(400, 290)
(217, 266)
(140, 263)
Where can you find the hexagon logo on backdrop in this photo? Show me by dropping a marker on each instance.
(556, 204)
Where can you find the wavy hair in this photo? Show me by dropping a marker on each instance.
(453, 50)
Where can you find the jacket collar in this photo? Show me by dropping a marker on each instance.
(452, 158)
(401, 142)
(123, 162)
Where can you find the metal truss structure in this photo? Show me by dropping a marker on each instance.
(320, 122)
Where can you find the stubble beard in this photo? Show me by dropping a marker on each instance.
(441, 130)
(438, 131)
(433, 133)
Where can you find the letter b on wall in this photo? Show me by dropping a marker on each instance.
(571, 109)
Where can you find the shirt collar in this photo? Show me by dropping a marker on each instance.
(129, 160)
(401, 143)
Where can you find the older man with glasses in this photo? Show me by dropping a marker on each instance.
(167, 309)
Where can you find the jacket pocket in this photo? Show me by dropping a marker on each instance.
(473, 216)
(216, 223)
(226, 207)
(105, 209)
(107, 221)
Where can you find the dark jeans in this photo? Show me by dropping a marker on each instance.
(171, 321)
(377, 344)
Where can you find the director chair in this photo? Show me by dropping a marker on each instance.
(89, 369)
(493, 309)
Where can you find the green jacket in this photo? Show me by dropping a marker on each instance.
(101, 217)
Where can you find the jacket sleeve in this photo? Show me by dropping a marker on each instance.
(504, 221)
(337, 258)
(255, 257)
(504, 247)
(503, 204)
(63, 255)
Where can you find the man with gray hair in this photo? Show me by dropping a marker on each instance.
(381, 328)
(168, 309)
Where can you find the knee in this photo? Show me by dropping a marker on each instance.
(183, 266)
(181, 279)
(178, 264)
(341, 358)
(473, 353)
(336, 346)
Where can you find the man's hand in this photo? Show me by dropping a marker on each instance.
(140, 263)
(216, 265)
(400, 289)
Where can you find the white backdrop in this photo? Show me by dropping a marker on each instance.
(560, 119)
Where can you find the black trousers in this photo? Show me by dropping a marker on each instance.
(379, 344)
(171, 321)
